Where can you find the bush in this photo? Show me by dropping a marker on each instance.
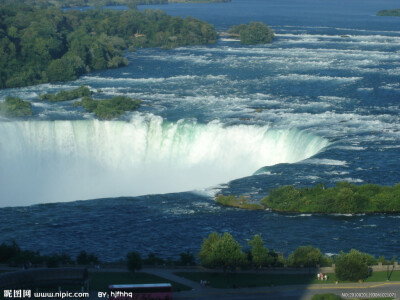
(152, 259)
(134, 261)
(186, 259)
(351, 266)
(15, 107)
(86, 259)
(306, 256)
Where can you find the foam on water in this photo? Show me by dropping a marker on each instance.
(70, 160)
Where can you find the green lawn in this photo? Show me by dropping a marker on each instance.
(99, 281)
(232, 280)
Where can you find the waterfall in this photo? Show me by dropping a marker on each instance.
(52, 161)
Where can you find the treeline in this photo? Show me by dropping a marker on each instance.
(253, 33)
(39, 45)
(389, 13)
(12, 255)
(101, 3)
(224, 252)
(343, 198)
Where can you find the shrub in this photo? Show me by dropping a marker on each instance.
(306, 256)
(351, 266)
(85, 259)
(152, 259)
(134, 261)
(186, 259)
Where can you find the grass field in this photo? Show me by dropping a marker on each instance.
(99, 281)
(233, 280)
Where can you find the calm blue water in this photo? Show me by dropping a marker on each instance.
(320, 104)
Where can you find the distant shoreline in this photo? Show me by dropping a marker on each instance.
(389, 13)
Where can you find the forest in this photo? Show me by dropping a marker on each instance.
(39, 45)
(100, 3)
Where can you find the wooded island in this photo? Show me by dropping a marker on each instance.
(39, 45)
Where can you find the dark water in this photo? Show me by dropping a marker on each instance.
(332, 75)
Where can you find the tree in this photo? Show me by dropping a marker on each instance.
(221, 251)
(134, 261)
(85, 259)
(187, 259)
(351, 266)
(254, 33)
(306, 256)
(261, 256)
(8, 252)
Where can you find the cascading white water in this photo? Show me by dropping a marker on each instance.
(52, 161)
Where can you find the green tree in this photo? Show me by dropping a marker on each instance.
(351, 266)
(261, 256)
(306, 256)
(134, 261)
(253, 33)
(221, 251)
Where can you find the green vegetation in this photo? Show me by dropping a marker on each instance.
(343, 198)
(99, 281)
(252, 34)
(40, 45)
(63, 95)
(261, 256)
(109, 108)
(15, 107)
(389, 13)
(240, 202)
(13, 255)
(308, 256)
(104, 109)
(352, 266)
(100, 3)
(221, 251)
